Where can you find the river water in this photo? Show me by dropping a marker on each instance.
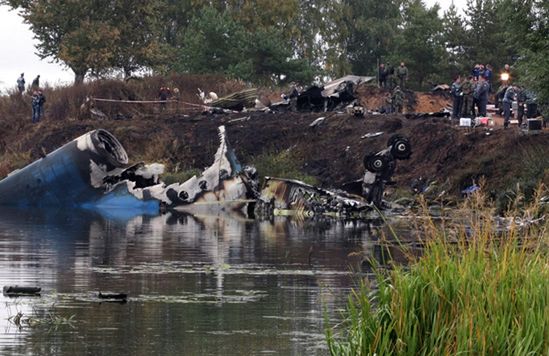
(196, 285)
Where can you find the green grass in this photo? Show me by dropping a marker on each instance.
(474, 291)
(180, 176)
(281, 165)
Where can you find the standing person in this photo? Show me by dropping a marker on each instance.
(382, 76)
(488, 73)
(397, 100)
(467, 109)
(163, 95)
(457, 96)
(508, 98)
(38, 100)
(36, 82)
(481, 94)
(390, 78)
(475, 72)
(21, 83)
(521, 99)
(531, 104)
(481, 70)
(402, 74)
(475, 87)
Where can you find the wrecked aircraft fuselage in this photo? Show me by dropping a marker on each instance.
(91, 172)
(73, 175)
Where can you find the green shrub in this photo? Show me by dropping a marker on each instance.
(476, 290)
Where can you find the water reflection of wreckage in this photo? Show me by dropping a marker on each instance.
(92, 172)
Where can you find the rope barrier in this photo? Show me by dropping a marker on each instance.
(148, 102)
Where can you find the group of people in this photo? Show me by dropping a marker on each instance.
(470, 93)
(21, 83)
(390, 77)
(473, 92)
(37, 99)
(470, 96)
(525, 100)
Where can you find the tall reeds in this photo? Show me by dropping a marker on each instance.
(480, 287)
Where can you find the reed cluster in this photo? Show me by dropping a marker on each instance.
(479, 287)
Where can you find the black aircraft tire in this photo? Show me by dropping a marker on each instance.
(375, 163)
(401, 149)
(395, 138)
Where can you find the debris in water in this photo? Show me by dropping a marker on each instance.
(18, 291)
(113, 297)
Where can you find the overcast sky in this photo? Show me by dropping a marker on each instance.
(18, 52)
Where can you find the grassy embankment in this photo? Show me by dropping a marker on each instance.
(64, 117)
(476, 290)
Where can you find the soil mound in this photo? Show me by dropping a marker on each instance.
(374, 98)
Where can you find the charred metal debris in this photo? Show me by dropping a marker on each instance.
(92, 172)
(333, 96)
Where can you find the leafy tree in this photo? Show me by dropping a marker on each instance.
(532, 65)
(214, 42)
(93, 36)
(210, 43)
(139, 44)
(455, 38)
(420, 44)
(485, 41)
(372, 27)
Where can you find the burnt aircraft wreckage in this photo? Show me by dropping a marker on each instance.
(92, 172)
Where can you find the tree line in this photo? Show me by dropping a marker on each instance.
(272, 41)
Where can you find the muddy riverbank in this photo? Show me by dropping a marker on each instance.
(445, 157)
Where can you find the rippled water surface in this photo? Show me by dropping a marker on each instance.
(196, 285)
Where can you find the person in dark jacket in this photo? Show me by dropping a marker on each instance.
(475, 72)
(531, 104)
(36, 82)
(457, 96)
(382, 76)
(390, 79)
(481, 95)
(163, 94)
(508, 98)
(38, 100)
(488, 74)
(521, 100)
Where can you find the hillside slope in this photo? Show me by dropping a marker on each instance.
(447, 156)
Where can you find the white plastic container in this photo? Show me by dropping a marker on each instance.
(465, 122)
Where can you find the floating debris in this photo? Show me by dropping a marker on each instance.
(113, 297)
(18, 291)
